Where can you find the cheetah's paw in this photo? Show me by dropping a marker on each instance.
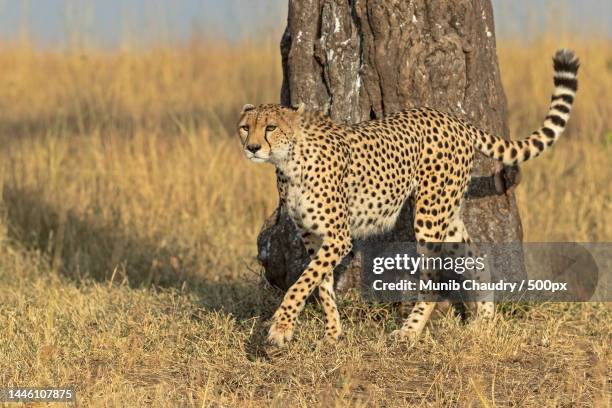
(330, 339)
(404, 335)
(280, 332)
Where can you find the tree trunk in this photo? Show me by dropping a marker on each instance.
(364, 59)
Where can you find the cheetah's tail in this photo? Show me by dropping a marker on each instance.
(566, 66)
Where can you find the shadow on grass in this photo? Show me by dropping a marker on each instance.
(86, 247)
(83, 248)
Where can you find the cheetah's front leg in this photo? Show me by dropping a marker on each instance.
(333, 248)
(327, 297)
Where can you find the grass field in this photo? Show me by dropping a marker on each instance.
(128, 222)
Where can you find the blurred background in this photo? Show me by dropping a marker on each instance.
(129, 216)
(141, 23)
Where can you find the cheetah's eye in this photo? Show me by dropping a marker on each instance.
(270, 128)
(244, 128)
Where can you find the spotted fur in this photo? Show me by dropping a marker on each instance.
(340, 182)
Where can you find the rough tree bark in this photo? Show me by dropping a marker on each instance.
(363, 59)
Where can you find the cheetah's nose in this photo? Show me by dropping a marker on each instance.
(253, 148)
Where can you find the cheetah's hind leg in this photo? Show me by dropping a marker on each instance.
(430, 226)
(457, 233)
(414, 323)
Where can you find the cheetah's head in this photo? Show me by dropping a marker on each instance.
(267, 132)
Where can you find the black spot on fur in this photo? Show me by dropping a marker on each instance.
(561, 108)
(527, 154)
(569, 83)
(539, 145)
(565, 97)
(548, 132)
(557, 120)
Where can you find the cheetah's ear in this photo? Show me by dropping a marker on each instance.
(300, 108)
(247, 107)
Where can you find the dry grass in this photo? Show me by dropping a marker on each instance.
(127, 242)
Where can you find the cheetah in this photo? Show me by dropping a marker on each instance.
(341, 182)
